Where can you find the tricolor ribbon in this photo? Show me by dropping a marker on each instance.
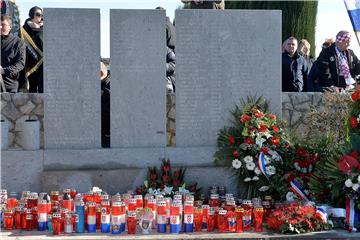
(261, 163)
(352, 216)
(297, 189)
(322, 214)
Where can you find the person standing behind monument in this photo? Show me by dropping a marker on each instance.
(338, 64)
(304, 50)
(34, 66)
(206, 4)
(12, 56)
(105, 106)
(294, 67)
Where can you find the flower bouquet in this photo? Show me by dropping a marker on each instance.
(167, 182)
(252, 145)
(297, 218)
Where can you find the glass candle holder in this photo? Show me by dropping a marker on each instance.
(17, 217)
(131, 222)
(9, 219)
(198, 218)
(239, 211)
(210, 220)
(222, 221)
(56, 223)
(231, 220)
(258, 215)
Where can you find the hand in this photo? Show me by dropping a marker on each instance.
(1, 70)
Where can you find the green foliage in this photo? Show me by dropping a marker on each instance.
(298, 17)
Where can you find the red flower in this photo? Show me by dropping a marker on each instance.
(176, 183)
(262, 128)
(138, 190)
(275, 129)
(249, 140)
(301, 152)
(231, 140)
(275, 141)
(265, 150)
(353, 122)
(165, 178)
(259, 114)
(236, 154)
(176, 174)
(245, 118)
(272, 116)
(293, 221)
(347, 163)
(153, 177)
(355, 96)
(166, 168)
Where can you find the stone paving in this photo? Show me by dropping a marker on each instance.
(334, 234)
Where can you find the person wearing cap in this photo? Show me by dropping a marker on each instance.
(338, 65)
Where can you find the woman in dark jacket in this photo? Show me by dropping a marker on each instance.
(34, 68)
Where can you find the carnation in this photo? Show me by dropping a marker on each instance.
(348, 183)
(250, 166)
(236, 163)
(248, 159)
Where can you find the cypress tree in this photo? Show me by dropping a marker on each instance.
(298, 17)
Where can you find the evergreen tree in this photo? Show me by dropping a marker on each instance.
(298, 17)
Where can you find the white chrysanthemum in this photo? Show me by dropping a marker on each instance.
(348, 183)
(355, 186)
(264, 188)
(358, 178)
(275, 155)
(257, 171)
(250, 166)
(248, 159)
(255, 178)
(270, 170)
(236, 163)
(247, 179)
(290, 196)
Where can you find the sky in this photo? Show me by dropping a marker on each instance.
(332, 16)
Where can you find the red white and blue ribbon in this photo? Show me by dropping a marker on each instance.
(322, 213)
(297, 189)
(261, 163)
(352, 216)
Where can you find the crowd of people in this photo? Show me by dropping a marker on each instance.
(337, 67)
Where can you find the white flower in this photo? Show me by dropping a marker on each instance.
(236, 163)
(168, 190)
(270, 170)
(257, 171)
(248, 159)
(267, 134)
(275, 155)
(183, 190)
(290, 196)
(263, 188)
(358, 178)
(348, 183)
(255, 178)
(146, 184)
(355, 187)
(250, 166)
(247, 179)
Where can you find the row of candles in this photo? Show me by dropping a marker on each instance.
(72, 212)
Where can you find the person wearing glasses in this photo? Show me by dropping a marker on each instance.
(34, 47)
(12, 56)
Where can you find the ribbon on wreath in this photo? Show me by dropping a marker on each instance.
(352, 215)
(298, 190)
(261, 163)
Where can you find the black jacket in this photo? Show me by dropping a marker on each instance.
(170, 34)
(328, 64)
(12, 60)
(294, 72)
(105, 106)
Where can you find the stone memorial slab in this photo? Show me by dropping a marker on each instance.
(138, 94)
(71, 78)
(222, 57)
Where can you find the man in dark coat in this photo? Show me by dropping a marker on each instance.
(205, 4)
(12, 55)
(338, 64)
(294, 68)
(105, 106)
